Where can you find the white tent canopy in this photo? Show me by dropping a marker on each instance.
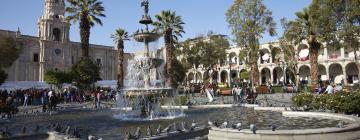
(304, 53)
(265, 56)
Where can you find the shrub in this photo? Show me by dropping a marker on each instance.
(183, 100)
(340, 102)
(303, 99)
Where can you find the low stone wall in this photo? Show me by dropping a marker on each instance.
(350, 132)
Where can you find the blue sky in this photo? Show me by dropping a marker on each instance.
(200, 16)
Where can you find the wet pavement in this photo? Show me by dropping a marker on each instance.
(102, 122)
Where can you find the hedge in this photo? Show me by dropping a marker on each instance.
(341, 102)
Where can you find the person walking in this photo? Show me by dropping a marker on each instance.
(233, 93)
(26, 99)
(98, 97)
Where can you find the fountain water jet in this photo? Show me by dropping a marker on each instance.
(141, 96)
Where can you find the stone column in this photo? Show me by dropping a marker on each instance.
(42, 61)
(342, 51)
(344, 74)
(326, 57)
(271, 76)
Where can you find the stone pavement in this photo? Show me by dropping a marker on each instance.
(275, 100)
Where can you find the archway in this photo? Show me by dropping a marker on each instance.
(304, 73)
(352, 73)
(198, 77)
(336, 73)
(303, 52)
(264, 56)
(56, 34)
(265, 75)
(322, 73)
(278, 77)
(290, 76)
(190, 77)
(276, 55)
(224, 76)
(233, 58)
(234, 75)
(214, 76)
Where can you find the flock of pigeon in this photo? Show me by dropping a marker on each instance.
(237, 126)
(160, 131)
(70, 132)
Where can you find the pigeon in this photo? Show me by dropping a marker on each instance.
(167, 129)
(91, 137)
(137, 133)
(216, 124)
(158, 130)
(67, 130)
(183, 126)
(193, 125)
(128, 136)
(238, 126)
(253, 128)
(178, 129)
(273, 127)
(224, 124)
(210, 123)
(149, 132)
(340, 124)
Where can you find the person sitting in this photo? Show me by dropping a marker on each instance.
(338, 87)
(318, 89)
(329, 89)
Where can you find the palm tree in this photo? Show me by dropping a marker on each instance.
(88, 13)
(304, 28)
(119, 36)
(172, 27)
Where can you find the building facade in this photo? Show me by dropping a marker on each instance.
(53, 50)
(336, 65)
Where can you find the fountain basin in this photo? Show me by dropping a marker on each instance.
(349, 132)
(146, 37)
(133, 92)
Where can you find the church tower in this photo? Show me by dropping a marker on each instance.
(53, 25)
(53, 31)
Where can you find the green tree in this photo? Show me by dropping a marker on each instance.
(88, 13)
(178, 73)
(203, 50)
(85, 73)
(249, 19)
(245, 75)
(9, 51)
(290, 54)
(345, 18)
(57, 78)
(119, 36)
(172, 27)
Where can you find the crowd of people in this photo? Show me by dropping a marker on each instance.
(49, 98)
(328, 88)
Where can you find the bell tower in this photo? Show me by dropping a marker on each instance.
(52, 25)
(53, 32)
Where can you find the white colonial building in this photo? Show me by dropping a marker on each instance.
(52, 48)
(337, 65)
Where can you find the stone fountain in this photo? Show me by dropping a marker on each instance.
(141, 95)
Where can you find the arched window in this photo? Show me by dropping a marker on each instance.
(56, 34)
